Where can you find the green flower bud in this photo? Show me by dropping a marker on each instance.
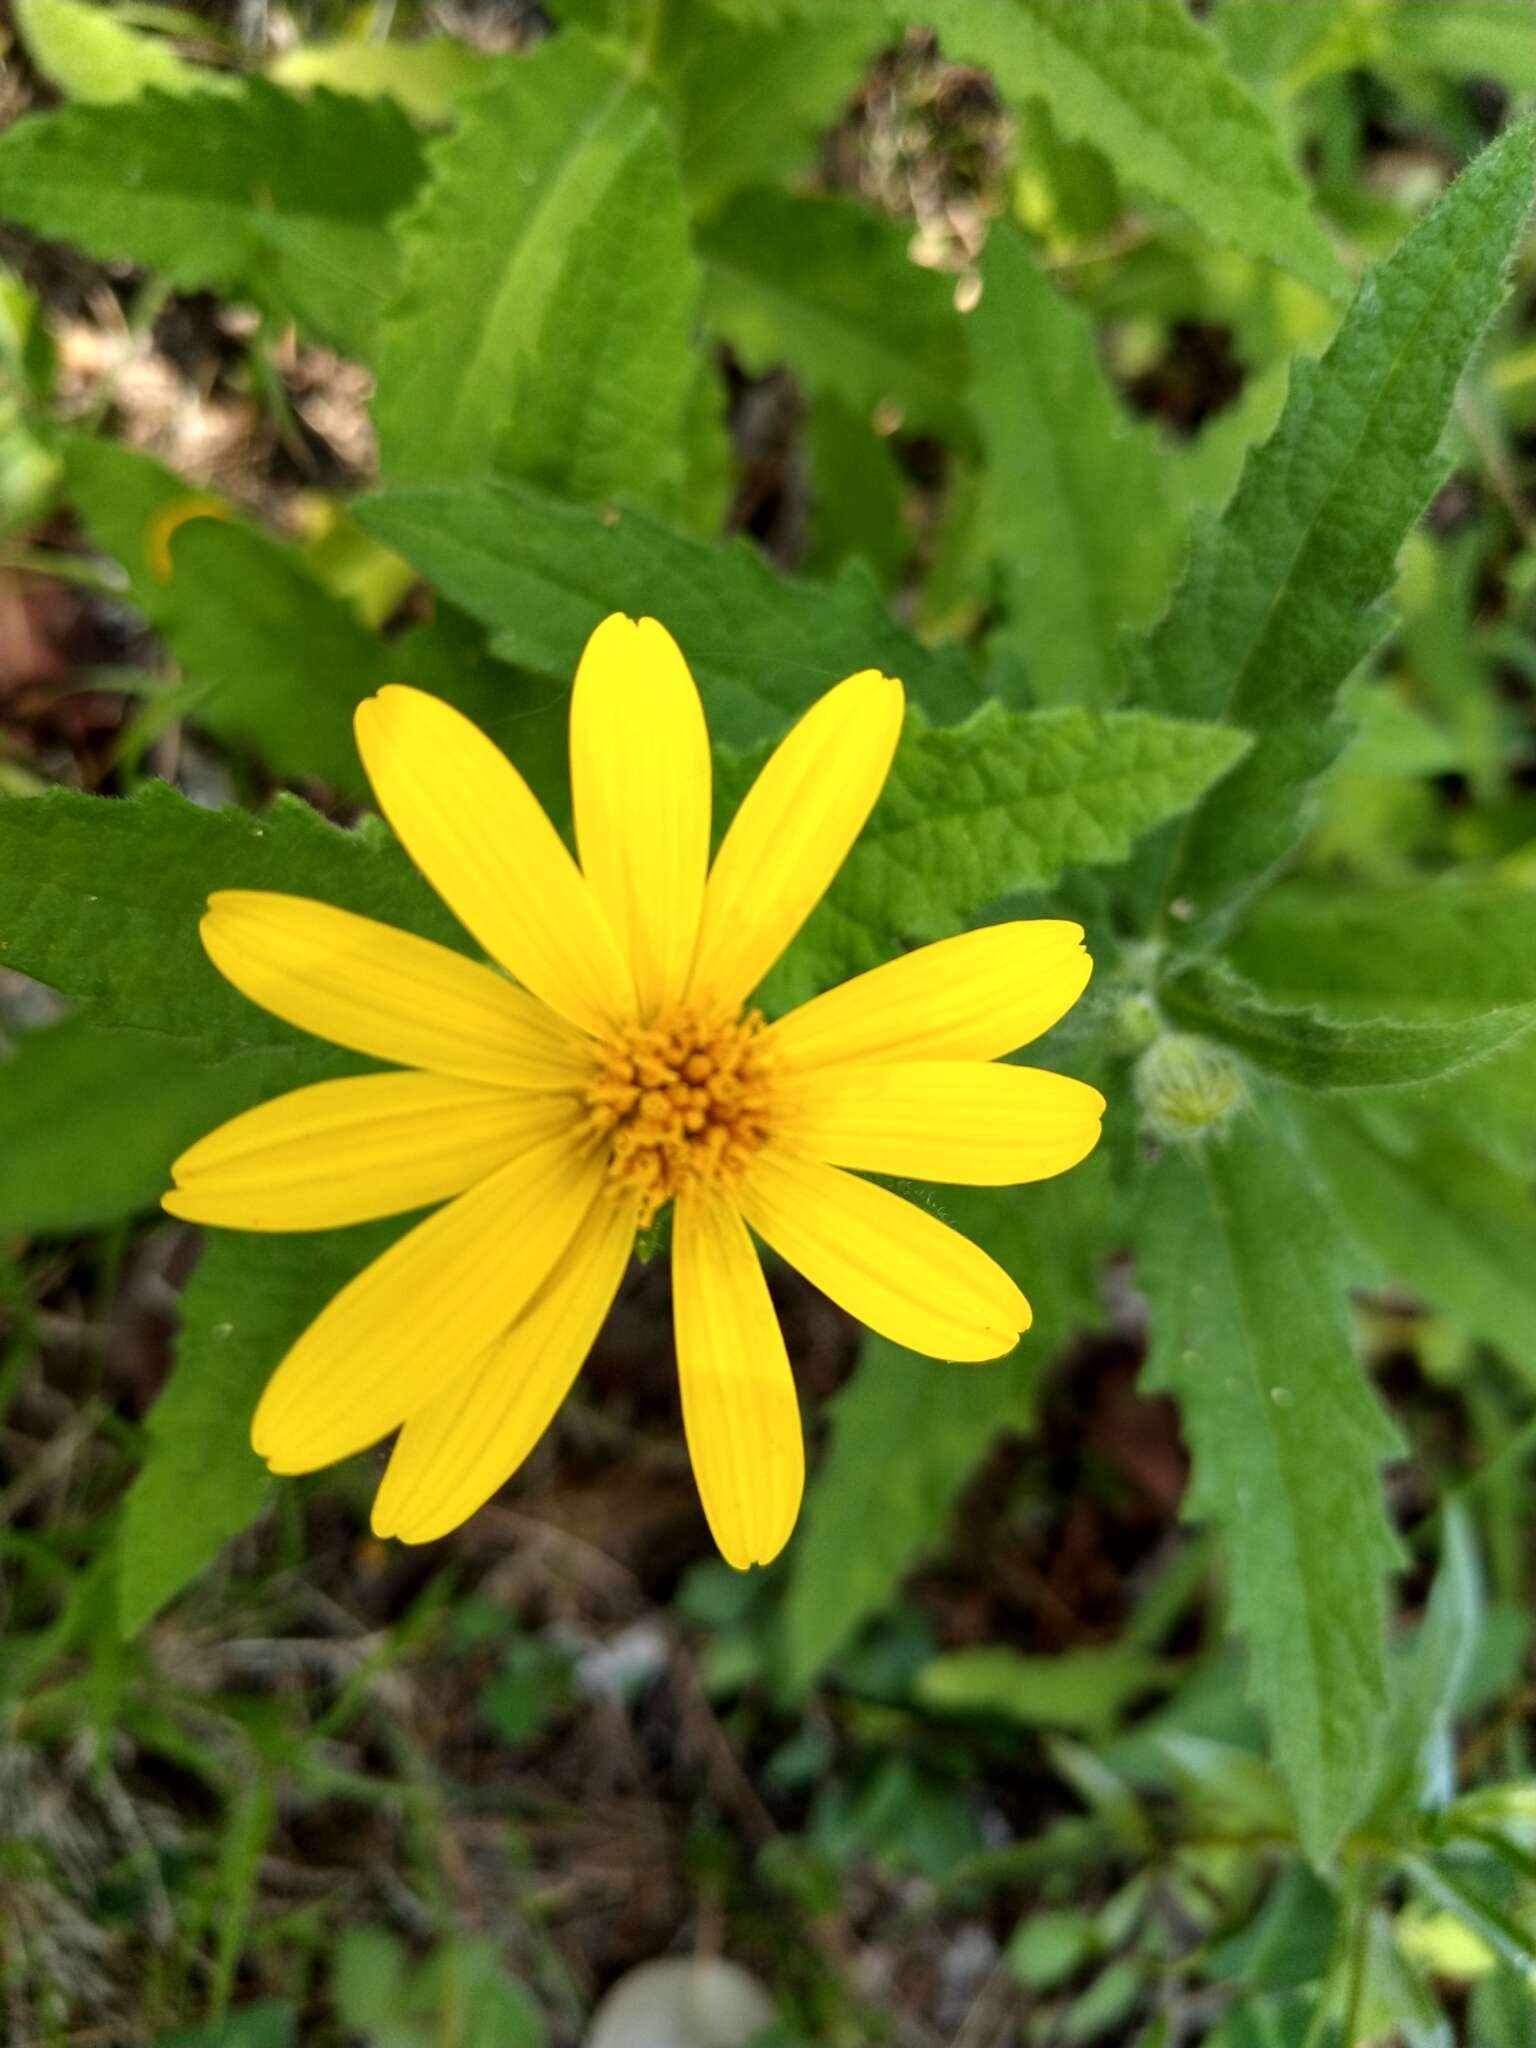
(1187, 1087)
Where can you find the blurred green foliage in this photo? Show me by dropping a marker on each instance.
(1188, 480)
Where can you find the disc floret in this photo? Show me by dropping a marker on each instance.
(681, 1102)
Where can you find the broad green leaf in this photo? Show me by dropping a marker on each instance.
(426, 79)
(823, 285)
(1242, 1268)
(1146, 86)
(89, 54)
(1423, 949)
(1087, 1690)
(285, 202)
(1437, 1215)
(540, 573)
(543, 316)
(601, 392)
(1278, 604)
(100, 898)
(1060, 453)
(1310, 1049)
(201, 1482)
(749, 98)
(90, 1119)
(1004, 802)
(907, 1432)
(1416, 1769)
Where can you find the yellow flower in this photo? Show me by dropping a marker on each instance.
(555, 1107)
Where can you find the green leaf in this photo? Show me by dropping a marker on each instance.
(255, 194)
(1004, 802)
(908, 1431)
(601, 392)
(825, 286)
(1425, 948)
(1436, 1215)
(426, 79)
(201, 1482)
(100, 898)
(89, 54)
(90, 1119)
(543, 318)
(856, 491)
(278, 662)
(266, 2024)
(540, 573)
(1086, 1690)
(751, 98)
(1441, 1880)
(1059, 452)
(1416, 1769)
(1502, 2012)
(1277, 606)
(1146, 86)
(1468, 38)
(1241, 1266)
(1310, 1049)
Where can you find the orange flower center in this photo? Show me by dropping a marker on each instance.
(681, 1102)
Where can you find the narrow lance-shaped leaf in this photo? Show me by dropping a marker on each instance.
(256, 194)
(1145, 84)
(1075, 509)
(1417, 1767)
(1242, 1268)
(1276, 608)
(1311, 1049)
(542, 323)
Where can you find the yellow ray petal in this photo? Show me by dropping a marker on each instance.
(452, 1455)
(640, 784)
(346, 1151)
(792, 834)
(884, 1260)
(421, 1314)
(955, 1120)
(968, 998)
(384, 992)
(479, 835)
(739, 1405)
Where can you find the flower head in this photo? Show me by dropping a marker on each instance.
(606, 1064)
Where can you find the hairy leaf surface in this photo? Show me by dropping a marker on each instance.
(1279, 602)
(281, 201)
(1241, 1263)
